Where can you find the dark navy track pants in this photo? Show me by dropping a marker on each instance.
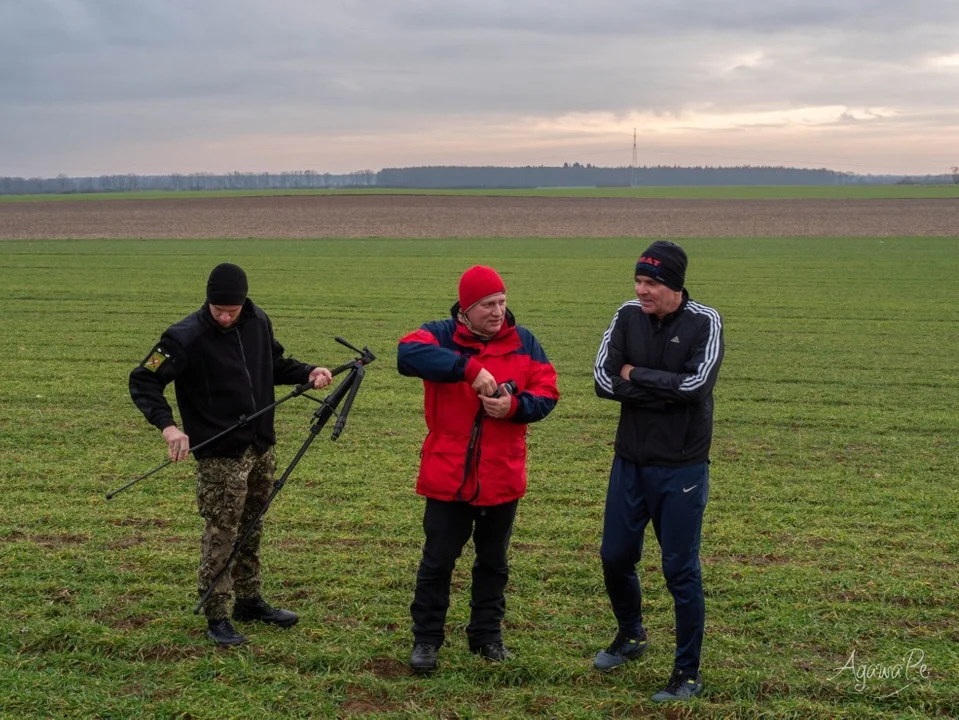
(674, 499)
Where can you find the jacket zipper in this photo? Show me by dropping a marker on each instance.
(249, 378)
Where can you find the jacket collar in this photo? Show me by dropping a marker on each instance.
(467, 338)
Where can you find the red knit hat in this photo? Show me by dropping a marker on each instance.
(478, 283)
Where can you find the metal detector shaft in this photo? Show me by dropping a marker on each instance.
(298, 390)
(321, 416)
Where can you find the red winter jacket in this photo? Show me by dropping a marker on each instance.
(448, 357)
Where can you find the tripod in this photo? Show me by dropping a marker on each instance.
(347, 389)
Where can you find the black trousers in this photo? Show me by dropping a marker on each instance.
(448, 525)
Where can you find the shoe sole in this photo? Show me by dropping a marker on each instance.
(487, 658)
(232, 643)
(286, 624)
(689, 697)
(478, 651)
(618, 663)
(423, 670)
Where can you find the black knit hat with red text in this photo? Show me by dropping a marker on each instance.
(664, 262)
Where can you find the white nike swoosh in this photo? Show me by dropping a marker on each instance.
(686, 490)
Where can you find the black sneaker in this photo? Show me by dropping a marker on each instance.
(682, 685)
(621, 650)
(223, 633)
(423, 658)
(258, 609)
(493, 651)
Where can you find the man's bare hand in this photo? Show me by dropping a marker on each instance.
(320, 377)
(624, 371)
(497, 407)
(177, 442)
(485, 383)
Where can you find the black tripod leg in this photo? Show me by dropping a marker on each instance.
(358, 374)
(322, 415)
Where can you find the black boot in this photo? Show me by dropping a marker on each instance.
(493, 651)
(258, 609)
(423, 658)
(223, 633)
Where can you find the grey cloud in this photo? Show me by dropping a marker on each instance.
(650, 18)
(115, 70)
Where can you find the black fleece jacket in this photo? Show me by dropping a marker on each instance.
(219, 376)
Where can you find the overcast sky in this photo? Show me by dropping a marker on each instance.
(91, 87)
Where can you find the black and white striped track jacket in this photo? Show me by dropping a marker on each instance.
(666, 413)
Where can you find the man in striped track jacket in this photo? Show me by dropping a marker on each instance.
(659, 359)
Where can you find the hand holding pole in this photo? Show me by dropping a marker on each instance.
(244, 419)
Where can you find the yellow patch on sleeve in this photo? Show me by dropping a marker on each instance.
(155, 360)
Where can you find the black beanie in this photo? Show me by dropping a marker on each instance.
(227, 285)
(664, 262)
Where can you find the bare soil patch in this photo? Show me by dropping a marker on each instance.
(126, 542)
(370, 216)
(58, 541)
(387, 667)
(108, 618)
(141, 522)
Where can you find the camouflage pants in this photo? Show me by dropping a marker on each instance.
(229, 493)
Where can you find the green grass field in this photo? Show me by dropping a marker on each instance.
(737, 192)
(831, 527)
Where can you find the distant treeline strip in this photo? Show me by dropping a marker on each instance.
(292, 180)
(460, 177)
(577, 175)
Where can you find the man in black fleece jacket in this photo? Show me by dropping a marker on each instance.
(224, 362)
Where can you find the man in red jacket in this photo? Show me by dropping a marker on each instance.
(485, 378)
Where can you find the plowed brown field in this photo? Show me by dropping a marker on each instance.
(364, 216)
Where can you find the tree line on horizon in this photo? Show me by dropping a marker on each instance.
(461, 177)
(578, 175)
